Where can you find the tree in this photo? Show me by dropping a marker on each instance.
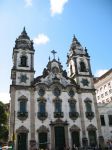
(3, 123)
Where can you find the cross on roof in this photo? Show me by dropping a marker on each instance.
(53, 52)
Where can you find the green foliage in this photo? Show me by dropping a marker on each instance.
(3, 123)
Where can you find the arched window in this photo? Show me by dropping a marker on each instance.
(42, 114)
(23, 61)
(58, 106)
(82, 67)
(88, 107)
(23, 106)
(22, 111)
(92, 135)
(89, 113)
(42, 107)
(72, 107)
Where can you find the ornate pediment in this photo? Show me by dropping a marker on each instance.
(59, 122)
(43, 129)
(22, 129)
(22, 98)
(91, 127)
(74, 128)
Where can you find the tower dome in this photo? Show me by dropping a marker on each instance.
(23, 41)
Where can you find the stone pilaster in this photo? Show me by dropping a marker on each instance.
(52, 138)
(15, 60)
(32, 115)
(32, 62)
(12, 113)
(101, 139)
(66, 136)
(82, 121)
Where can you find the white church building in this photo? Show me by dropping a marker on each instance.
(57, 109)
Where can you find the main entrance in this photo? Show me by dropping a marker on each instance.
(59, 138)
(22, 141)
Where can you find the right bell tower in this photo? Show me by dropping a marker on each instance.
(79, 67)
(79, 70)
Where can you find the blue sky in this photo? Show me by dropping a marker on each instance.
(52, 24)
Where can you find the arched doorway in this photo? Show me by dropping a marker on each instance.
(59, 134)
(22, 138)
(43, 140)
(92, 135)
(59, 137)
(75, 138)
(22, 141)
(43, 137)
(75, 135)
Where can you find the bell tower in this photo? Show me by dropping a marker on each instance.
(23, 61)
(22, 76)
(79, 65)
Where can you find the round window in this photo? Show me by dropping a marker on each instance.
(71, 93)
(41, 92)
(57, 91)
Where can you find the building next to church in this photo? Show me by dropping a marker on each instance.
(55, 109)
(103, 86)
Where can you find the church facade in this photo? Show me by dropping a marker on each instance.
(57, 109)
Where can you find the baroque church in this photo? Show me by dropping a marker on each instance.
(57, 109)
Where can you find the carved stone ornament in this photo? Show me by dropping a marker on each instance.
(73, 115)
(43, 129)
(91, 127)
(90, 115)
(74, 128)
(22, 115)
(85, 82)
(22, 129)
(55, 70)
(59, 122)
(23, 78)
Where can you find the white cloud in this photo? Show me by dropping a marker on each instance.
(28, 3)
(100, 72)
(41, 39)
(4, 97)
(56, 6)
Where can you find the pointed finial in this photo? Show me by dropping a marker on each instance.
(74, 38)
(24, 29)
(49, 58)
(85, 49)
(53, 52)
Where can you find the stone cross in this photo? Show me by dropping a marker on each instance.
(53, 52)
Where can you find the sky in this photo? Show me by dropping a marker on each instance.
(51, 24)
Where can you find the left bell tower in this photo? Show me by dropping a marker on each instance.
(22, 76)
(22, 72)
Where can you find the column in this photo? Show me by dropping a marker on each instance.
(52, 138)
(84, 138)
(32, 119)
(101, 139)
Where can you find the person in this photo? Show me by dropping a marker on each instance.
(73, 147)
(68, 148)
